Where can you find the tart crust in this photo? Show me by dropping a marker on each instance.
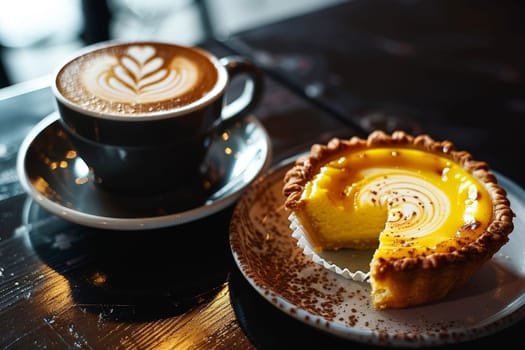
(400, 282)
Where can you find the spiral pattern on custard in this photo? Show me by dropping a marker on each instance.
(140, 76)
(416, 207)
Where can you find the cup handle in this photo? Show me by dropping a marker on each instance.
(253, 87)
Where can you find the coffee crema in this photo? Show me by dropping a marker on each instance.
(138, 78)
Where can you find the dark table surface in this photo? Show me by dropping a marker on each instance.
(453, 69)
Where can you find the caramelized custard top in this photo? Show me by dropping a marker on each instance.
(430, 202)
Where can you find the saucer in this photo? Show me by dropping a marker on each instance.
(270, 259)
(60, 182)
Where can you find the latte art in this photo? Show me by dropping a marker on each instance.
(137, 79)
(140, 76)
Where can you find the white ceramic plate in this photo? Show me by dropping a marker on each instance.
(269, 258)
(58, 183)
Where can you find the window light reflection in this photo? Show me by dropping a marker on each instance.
(80, 167)
(251, 153)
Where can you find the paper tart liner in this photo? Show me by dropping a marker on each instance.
(351, 264)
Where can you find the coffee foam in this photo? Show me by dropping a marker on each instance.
(139, 78)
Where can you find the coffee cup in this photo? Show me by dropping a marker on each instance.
(142, 114)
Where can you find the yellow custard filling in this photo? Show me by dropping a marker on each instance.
(407, 201)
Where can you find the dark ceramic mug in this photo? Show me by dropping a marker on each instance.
(142, 114)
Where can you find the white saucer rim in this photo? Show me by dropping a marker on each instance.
(139, 223)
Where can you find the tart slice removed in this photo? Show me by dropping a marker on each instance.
(432, 214)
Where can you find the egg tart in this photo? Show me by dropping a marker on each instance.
(432, 215)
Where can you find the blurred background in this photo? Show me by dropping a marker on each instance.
(36, 35)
